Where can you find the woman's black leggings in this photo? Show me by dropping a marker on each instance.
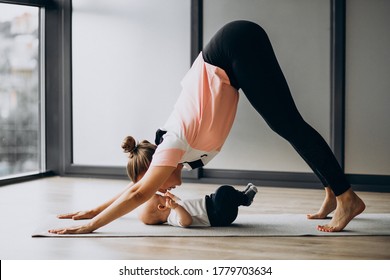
(244, 51)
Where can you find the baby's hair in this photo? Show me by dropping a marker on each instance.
(140, 156)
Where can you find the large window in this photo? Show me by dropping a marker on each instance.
(21, 122)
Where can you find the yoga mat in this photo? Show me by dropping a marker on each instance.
(245, 225)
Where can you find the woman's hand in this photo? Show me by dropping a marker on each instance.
(79, 215)
(72, 230)
(127, 201)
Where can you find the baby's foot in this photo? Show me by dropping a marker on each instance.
(250, 193)
(247, 187)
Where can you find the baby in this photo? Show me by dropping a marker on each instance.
(217, 209)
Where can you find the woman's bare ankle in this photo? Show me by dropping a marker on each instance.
(328, 205)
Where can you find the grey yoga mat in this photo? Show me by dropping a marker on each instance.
(245, 225)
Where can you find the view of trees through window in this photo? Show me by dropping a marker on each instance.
(19, 90)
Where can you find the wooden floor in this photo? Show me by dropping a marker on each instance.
(23, 205)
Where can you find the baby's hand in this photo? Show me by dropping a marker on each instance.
(170, 203)
(172, 196)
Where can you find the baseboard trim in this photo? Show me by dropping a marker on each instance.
(25, 178)
(360, 182)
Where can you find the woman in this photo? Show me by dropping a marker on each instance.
(240, 55)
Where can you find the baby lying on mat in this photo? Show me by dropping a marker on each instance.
(217, 209)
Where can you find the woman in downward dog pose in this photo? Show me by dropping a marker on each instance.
(239, 56)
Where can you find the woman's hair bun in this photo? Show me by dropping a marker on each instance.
(129, 144)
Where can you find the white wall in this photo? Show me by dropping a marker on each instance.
(367, 134)
(128, 60)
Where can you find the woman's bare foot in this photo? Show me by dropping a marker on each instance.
(349, 205)
(327, 206)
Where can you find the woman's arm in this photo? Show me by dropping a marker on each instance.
(89, 214)
(125, 203)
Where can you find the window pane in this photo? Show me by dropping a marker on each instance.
(128, 58)
(19, 90)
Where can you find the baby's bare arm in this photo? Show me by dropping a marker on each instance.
(185, 219)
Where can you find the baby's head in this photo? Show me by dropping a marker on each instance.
(155, 212)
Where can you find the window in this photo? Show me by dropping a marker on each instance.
(21, 138)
